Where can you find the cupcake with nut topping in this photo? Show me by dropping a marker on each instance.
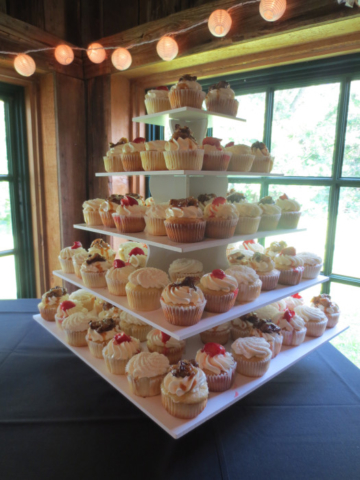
(160, 342)
(253, 356)
(112, 160)
(263, 161)
(241, 159)
(145, 373)
(290, 212)
(220, 291)
(248, 280)
(99, 334)
(187, 92)
(91, 212)
(185, 221)
(204, 199)
(270, 214)
(107, 208)
(275, 249)
(331, 309)
(93, 271)
(129, 216)
(221, 218)
(50, 302)
(152, 158)
(130, 156)
(270, 332)
(265, 268)
(242, 327)
(157, 100)
(144, 288)
(182, 152)
(66, 255)
(215, 157)
(239, 257)
(102, 248)
(218, 365)
(290, 266)
(221, 99)
(118, 352)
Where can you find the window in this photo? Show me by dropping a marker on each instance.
(16, 254)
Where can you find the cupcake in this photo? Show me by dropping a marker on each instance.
(269, 312)
(144, 288)
(314, 318)
(215, 157)
(204, 199)
(102, 248)
(242, 327)
(152, 158)
(248, 281)
(221, 218)
(137, 258)
(186, 267)
(280, 305)
(50, 302)
(235, 197)
(220, 291)
(129, 216)
(290, 212)
(154, 219)
(134, 327)
(117, 277)
(99, 334)
(182, 152)
(249, 218)
(66, 308)
(157, 100)
(290, 266)
(292, 326)
(101, 305)
(275, 249)
(270, 332)
(219, 334)
(294, 301)
(242, 159)
(312, 264)
(252, 355)
(160, 342)
(118, 352)
(218, 365)
(93, 271)
(187, 92)
(184, 391)
(85, 297)
(270, 214)
(75, 327)
(182, 302)
(112, 160)
(108, 310)
(185, 221)
(77, 260)
(145, 373)
(264, 267)
(331, 309)
(126, 247)
(239, 257)
(130, 156)
(252, 246)
(66, 256)
(221, 99)
(263, 162)
(107, 208)
(91, 212)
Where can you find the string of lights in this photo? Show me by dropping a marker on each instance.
(219, 24)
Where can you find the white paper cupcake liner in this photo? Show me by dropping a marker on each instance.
(189, 232)
(173, 354)
(294, 338)
(269, 222)
(145, 300)
(115, 366)
(182, 316)
(220, 303)
(291, 277)
(184, 159)
(241, 162)
(333, 319)
(226, 106)
(113, 163)
(216, 160)
(67, 266)
(115, 287)
(220, 227)
(96, 348)
(92, 218)
(146, 386)
(182, 410)
(316, 329)
(155, 226)
(152, 160)
(94, 280)
(312, 271)
(137, 331)
(269, 280)
(237, 332)
(262, 165)
(156, 105)
(289, 220)
(77, 267)
(75, 339)
(247, 225)
(222, 382)
(132, 162)
(249, 293)
(186, 98)
(174, 276)
(48, 313)
(129, 224)
(251, 368)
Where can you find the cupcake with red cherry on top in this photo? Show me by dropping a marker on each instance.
(160, 342)
(118, 352)
(292, 326)
(215, 157)
(157, 100)
(331, 309)
(293, 301)
(220, 291)
(290, 212)
(66, 256)
(221, 218)
(117, 277)
(218, 365)
(290, 266)
(66, 308)
(130, 156)
(129, 216)
(137, 258)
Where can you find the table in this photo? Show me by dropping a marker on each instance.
(60, 420)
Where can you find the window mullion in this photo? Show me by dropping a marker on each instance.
(269, 112)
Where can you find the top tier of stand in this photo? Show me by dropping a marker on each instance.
(188, 173)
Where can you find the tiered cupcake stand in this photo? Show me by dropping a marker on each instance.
(212, 253)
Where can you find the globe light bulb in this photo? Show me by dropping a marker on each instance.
(64, 54)
(272, 10)
(219, 23)
(121, 59)
(167, 48)
(96, 53)
(24, 65)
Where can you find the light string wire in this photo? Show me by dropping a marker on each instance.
(146, 42)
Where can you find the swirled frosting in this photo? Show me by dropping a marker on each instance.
(138, 261)
(155, 145)
(239, 257)
(184, 212)
(310, 258)
(310, 314)
(83, 296)
(77, 322)
(150, 201)
(185, 266)
(275, 249)
(120, 275)
(239, 149)
(248, 209)
(62, 313)
(126, 247)
(146, 364)
(122, 351)
(92, 205)
(293, 301)
(179, 386)
(252, 246)
(132, 147)
(285, 262)
(183, 144)
(244, 275)
(225, 210)
(217, 364)
(127, 319)
(251, 347)
(223, 93)
(95, 267)
(226, 284)
(267, 312)
(68, 252)
(288, 205)
(294, 323)
(187, 84)
(79, 258)
(131, 210)
(261, 263)
(324, 303)
(269, 209)
(149, 278)
(157, 211)
(177, 294)
(156, 338)
(152, 94)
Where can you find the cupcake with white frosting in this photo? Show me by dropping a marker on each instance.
(160, 342)
(149, 202)
(290, 212)
(137, 258)
(152, 158)
(129, 216)
(85, 297)
(66, 308)
(290, 265)
(50, 302)
(157, 100)
(109, 311)
(267, 312)
(249, 218)
(185, 221)
(130, 156)
(204, 199)
(182, 302)
(252, 246)
(248, 281)
(93, 271)
(221, 218)
(242, 327)
(312, 264)
(99, 334)
(253, 356)
(117, 277)
(270, 332)
(107, 208)
(293, 301)
(221, 99)
(220, 291)
(218, 365)
(144, 288)
(331, 309)
(239, 257)
(91, 212)
(133, 326)
(182, 152)
(187, 92)
(145, 372)
(184, 391)
(275, 249)
(215, 157)
(66, 255)
(314, 318)
(270, 214)
(265, 268)
(112, 159)
(186, 267)
(155, 216)
(241, 159)
(292, 327)
(102, 248)
(126, 247)
(118, 352)
(75, 327)
(263, 162)
(78, 259)
(219, 334)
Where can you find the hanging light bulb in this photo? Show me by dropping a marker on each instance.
(96, 53)
(272, 10)
(167, 48)
(219, 23)
(64, 54)
(121, 59)
(24, 65)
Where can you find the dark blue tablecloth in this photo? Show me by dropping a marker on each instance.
(59, 420)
